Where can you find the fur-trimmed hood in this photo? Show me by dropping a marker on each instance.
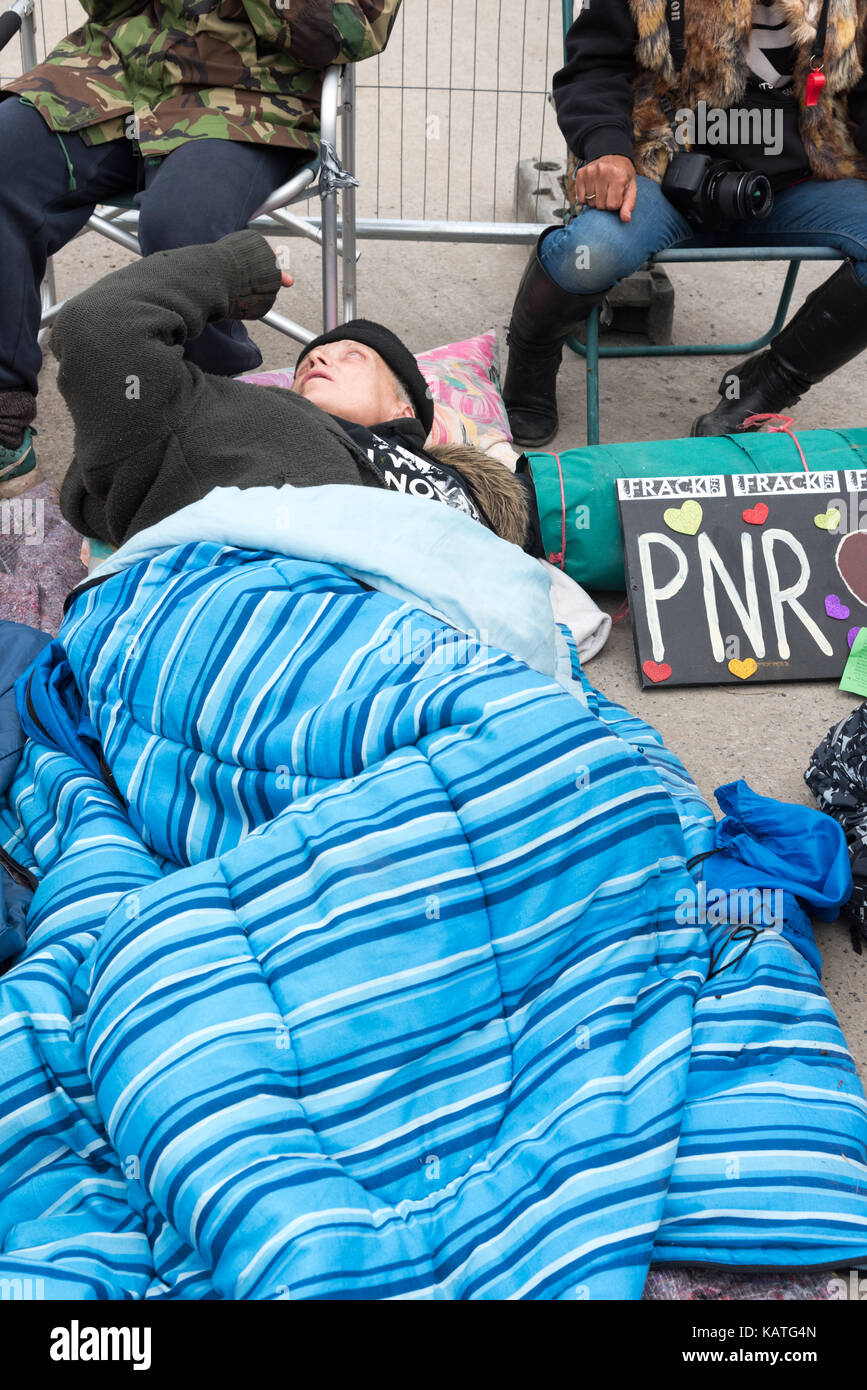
(499, 492)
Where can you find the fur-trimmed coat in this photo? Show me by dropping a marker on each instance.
(619, 67)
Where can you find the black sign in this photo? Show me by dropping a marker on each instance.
(746, 578)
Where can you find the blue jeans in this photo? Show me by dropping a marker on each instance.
(596, 249)
(201, 191)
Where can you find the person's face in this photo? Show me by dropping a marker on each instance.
(350, 380)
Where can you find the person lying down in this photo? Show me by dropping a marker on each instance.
(154, 433)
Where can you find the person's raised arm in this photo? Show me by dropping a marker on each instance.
(318, 33)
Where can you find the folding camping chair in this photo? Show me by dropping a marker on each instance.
(118, 220)
(591, 350)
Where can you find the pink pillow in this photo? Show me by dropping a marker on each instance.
(464, 382)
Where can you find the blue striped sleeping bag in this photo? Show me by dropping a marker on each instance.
(371, 984)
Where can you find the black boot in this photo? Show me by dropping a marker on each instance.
(542, 319)
(829, 329)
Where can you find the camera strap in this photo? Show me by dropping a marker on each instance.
(677, 32)
(677, 43)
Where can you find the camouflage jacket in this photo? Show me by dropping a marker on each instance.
(166, 71)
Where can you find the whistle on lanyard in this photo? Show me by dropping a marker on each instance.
(816, 77)
(815, 83)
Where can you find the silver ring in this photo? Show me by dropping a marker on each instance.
(590, 197)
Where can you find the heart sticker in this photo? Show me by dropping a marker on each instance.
(743, 669)
(851, 635)
(851, 560)
(686, 519)
(827, 521)
(757, 515)
(656, 673)
(835, 609)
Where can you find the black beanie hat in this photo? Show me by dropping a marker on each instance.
(392, 351)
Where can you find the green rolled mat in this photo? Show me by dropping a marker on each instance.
(587, 497)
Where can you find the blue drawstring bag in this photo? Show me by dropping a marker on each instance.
(767, 844)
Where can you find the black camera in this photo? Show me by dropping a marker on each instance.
(711, 192)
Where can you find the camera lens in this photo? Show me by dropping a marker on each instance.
(758, 195)
(742, 195)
